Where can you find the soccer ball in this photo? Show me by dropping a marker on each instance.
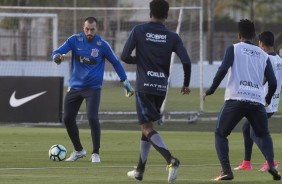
(57, 152)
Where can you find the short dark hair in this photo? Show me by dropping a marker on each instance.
(91, 20)
(267, 38)
(246, 29)
(159, 9)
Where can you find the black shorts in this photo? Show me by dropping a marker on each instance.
(148, 107)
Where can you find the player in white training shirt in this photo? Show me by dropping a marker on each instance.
(266, 42)
(247, 65)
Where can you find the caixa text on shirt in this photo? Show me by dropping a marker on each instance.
(248, 85)
(85, 60)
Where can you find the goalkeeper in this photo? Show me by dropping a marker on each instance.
(89, 52)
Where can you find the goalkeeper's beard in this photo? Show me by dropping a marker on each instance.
(89, 38)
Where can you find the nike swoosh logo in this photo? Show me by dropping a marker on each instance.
(18, 102)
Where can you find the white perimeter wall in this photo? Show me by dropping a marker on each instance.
(48, 68)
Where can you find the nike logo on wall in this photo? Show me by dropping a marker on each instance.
(18, 102)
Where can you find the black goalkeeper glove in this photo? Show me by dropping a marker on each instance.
(58, 58)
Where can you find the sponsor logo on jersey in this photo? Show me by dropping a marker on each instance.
(278, 66)
(156, 74)
(248, 85)
(253, 95)
(275, 105)
(250, 52)
(99, 43)
(95, 52)
(276, 96)
(155, 37)
(155, 85)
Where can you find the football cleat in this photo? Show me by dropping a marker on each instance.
(76, 155)
(223, 176)
(276, 175)
(245, 165)
(135, 174)
(265, 166)
(95, 158)
(172, 170)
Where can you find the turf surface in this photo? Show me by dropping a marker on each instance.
(24, 157)
(24, 147)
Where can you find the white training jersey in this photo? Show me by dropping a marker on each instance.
(245, 77)
(276, 63)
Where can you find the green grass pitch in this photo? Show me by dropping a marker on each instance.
(24, 148)
(24, 157)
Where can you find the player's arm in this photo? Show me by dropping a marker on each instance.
(222, 70)
(181, 52)
(111, 57)
(58, 55)
(272, 82)
(128, 48)
(187, 75)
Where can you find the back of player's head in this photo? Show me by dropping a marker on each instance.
(90, 20)
(267, 38)
(246, 29)
(159, 9)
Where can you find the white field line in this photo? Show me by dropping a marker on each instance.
(42, 168)
(109, 166)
